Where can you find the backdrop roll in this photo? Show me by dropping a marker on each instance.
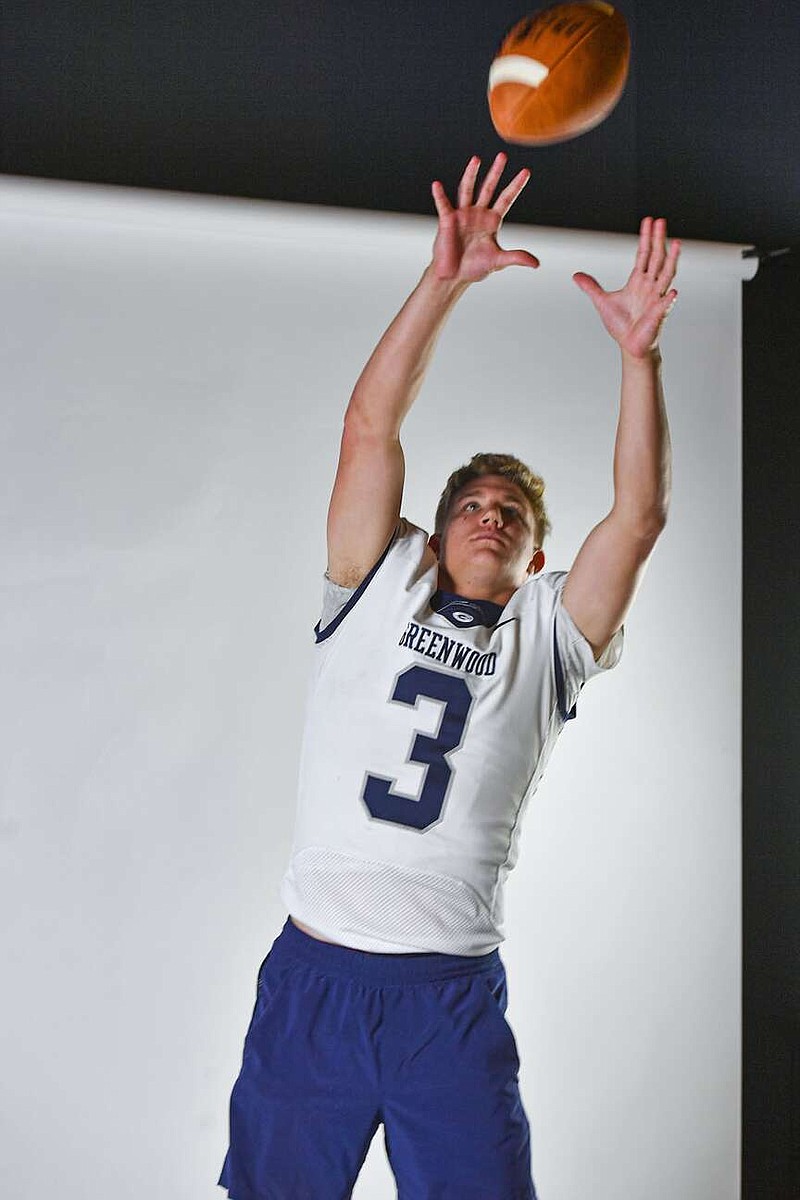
(176, 370)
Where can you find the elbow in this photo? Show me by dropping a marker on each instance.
(646, 513)
(655, 521)
(652, 525)
(364, 433)
(644, 526)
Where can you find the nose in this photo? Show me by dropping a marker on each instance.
(494, 514)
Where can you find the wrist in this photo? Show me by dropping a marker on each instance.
(650, 359)
(436, 286)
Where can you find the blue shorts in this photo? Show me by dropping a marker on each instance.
(342, 1041)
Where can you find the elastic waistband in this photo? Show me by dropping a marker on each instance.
(378, 969)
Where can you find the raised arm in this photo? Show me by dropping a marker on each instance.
(367, 492)
(608, 568)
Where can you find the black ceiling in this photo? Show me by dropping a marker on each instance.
(362, 103)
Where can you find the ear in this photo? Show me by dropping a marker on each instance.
(434, 541)
(536, 563)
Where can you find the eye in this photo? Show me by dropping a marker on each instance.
(471, 504)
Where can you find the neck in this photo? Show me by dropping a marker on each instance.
(472, 587)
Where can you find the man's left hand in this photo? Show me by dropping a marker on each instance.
(634, 314)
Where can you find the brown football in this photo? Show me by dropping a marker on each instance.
(558, 73)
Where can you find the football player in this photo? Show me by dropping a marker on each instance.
(446, 665)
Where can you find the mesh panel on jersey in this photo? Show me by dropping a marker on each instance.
(390, 906)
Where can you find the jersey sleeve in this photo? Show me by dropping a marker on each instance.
(337, 601)
(573, 658)
(334, 598)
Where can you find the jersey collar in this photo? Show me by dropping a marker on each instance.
(464, 613)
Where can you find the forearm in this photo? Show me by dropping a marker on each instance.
(389, 383)
(642, 454)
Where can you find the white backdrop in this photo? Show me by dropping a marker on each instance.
(176, 370)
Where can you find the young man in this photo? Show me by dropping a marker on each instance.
(446, 668)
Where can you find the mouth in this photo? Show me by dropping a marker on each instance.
(489, 537)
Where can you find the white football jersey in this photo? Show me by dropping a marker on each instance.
(427, 732)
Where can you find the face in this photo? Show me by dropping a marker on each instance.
(488, 546)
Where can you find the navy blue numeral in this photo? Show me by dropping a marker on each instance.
(421, 811)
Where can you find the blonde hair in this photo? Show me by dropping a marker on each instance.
(532, 487)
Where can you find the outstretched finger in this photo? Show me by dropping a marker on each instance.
(491, 181)
(657, 248)
(589, 285)
(443, 205)
(517, 258)
(645, 245)
(467, 185)
(670, 266)
(509, 193)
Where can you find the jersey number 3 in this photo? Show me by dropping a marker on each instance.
(423, 810)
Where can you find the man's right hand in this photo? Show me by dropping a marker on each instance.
(466, 248)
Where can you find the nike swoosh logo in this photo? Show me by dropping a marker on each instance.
(507, 621)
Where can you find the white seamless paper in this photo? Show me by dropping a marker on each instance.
(175, 371)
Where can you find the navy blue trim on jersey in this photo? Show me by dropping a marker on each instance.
(559, 672)
(464, 613)
(332, 626)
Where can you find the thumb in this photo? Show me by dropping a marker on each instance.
(516, 258)
(589, 285)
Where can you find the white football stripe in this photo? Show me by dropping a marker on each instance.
(517, 68)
